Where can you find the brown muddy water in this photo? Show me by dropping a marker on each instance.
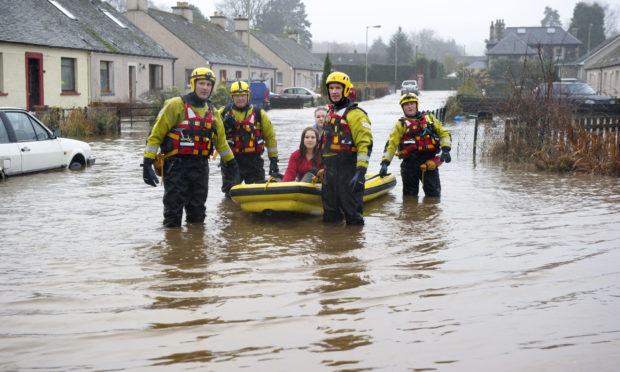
(511, 270)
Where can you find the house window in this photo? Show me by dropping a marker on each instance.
(237, 74)
(223, 76)
(558, 53)
(155, 77)
(67, 74)
(105, 76)
(188, 75)
(279, 78)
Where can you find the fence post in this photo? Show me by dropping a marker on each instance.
(118, 113)
(475, 137)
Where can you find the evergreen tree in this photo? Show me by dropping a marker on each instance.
(286, 16)
(401, 42)
(551, 19)
(379, 48)
(588, 25)
(327, 69)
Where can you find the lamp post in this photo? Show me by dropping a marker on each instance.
(589, 30)
(249, 50)
(366, 70)
(396, 64)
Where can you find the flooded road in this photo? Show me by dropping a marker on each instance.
(510, 270)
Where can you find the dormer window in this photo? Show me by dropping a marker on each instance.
(113, 18)
(62, 9)
(551, 30)
(521, 30)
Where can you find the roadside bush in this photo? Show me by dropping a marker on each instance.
(453, 108)
(81, 122)
(52, 117)
(156, 101)
(221, 96)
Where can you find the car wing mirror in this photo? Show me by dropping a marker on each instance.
(58, 133)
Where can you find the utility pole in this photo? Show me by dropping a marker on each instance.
(249, 50)
(396, 63)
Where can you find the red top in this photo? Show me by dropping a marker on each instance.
(297, 167)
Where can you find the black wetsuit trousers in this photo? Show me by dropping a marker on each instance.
(186, 185)
(412, 177)
(251, 170)
(338, 199)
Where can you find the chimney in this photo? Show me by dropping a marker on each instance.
(137, 4)
(219, 19)
(184, 10)
(241, 24)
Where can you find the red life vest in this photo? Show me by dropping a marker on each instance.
(418, 137)
(337, 135)
(193, 136)
(246, 136)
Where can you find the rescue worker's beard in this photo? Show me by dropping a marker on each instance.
(344, 101)
(243, 108)
(193, 99)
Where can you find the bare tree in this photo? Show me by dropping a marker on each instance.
(612, 12)
(239, 8)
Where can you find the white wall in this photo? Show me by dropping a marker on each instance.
(14, 76)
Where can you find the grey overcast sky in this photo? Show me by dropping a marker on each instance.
(467, 22)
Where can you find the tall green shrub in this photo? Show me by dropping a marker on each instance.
(327, 69)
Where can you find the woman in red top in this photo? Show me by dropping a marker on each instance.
(305, 159)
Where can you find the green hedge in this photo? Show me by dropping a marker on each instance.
(385, 73)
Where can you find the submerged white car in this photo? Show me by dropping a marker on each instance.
(26, 145)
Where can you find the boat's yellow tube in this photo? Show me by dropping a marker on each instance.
(300, 197)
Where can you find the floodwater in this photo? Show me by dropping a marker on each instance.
(511, 270)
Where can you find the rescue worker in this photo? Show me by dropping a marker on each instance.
(346, 146)
(418, 138)
(248, 132)
(186, 131)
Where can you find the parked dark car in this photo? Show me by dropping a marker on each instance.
(295, 97)
(573, 92)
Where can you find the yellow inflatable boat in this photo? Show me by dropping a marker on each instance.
(300, 197)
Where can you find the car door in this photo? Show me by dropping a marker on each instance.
(39, 151)
(10, 156)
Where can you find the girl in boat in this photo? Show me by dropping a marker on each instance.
(306, 161)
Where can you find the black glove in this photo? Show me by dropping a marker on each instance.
(229, 121)
(384, 166)
(358, 180)
(445, 154)
(273, 166)
(148, 174)
(233, 167)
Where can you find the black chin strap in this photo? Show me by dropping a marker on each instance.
(194, 100)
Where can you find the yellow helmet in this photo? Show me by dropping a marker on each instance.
(201, 73)
(341, 78)
(409, 97)
(239, 87)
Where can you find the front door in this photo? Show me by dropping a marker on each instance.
(34, 79)
(132, 83)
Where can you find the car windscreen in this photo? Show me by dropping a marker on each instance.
(581, 89)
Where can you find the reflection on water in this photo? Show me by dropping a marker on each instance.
(509, 270)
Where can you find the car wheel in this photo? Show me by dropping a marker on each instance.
(75, 165)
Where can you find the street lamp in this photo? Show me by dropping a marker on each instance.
(396, 63)
(589, 29)
(366, 70)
